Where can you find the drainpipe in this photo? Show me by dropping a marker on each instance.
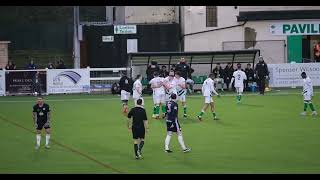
(76, 43)
(181, 40)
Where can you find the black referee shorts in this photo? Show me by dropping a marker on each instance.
(138, 133)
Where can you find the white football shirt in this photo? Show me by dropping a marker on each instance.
(157, 82)
(137, 88)
(239, 76)
(307, 86)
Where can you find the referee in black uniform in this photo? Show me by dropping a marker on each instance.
(139, 125)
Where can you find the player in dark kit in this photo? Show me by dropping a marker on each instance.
(126, 87)
(138, 125)
(42, 119)
(173, 125)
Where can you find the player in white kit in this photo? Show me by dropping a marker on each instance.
(208, 91)
(182, 91)
(137, 90)
(170, 86)
(238, 76)
(158, 95)
(307, 94)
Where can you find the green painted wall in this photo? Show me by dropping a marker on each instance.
(294, 48)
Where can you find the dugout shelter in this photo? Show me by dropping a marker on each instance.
(202, 62)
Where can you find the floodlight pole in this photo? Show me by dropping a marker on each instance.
(76, 42)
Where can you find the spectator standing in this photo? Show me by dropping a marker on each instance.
(163, 72)
(183, 68)
(262, 74)
(317, 52)
(250, 76)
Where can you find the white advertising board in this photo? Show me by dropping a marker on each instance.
(289, 75)
(68, 81)
(2, 83)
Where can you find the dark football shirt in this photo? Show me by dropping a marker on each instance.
(42, 112)
(139, 115)
(172, 110)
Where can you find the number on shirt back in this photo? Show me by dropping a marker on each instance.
(239, 77)
(169, 107)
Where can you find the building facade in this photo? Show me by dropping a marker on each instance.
(282, 33)
(153, 29)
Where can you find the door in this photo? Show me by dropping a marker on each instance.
(294, 48)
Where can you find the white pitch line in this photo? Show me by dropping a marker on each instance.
(147, 97)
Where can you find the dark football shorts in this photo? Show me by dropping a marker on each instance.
(173, 126)
(41, 125)
(138, 133)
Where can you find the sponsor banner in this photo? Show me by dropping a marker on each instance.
(68, 81)
(2, 83)
(125, 29)
(296, 28)
(25, 82)
(289, 75)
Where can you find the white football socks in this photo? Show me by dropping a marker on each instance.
(180, 139)
(38, 136)
(167, 142)
(47, 139)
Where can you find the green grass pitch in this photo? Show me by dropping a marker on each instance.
(264, 134)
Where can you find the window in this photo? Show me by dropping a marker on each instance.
(211, 16)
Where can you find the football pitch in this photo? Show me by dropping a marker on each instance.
(264, 134)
